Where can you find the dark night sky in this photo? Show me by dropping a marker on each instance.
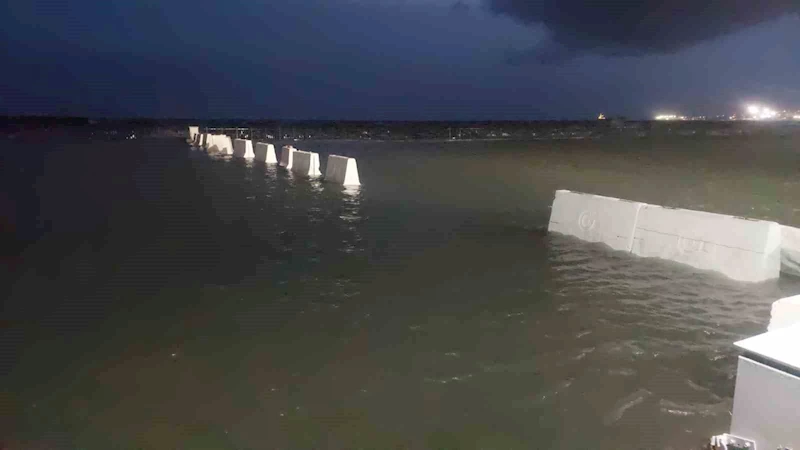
(396, 59)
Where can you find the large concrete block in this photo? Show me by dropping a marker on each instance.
(265, 153)
(790, 250)
(306, 163)
(742, 249)
(211, 144)
(287, 158)
(342, 170)
(595, 218)
(223, 143)
(243, 148)
(193, 132)
(785, 312)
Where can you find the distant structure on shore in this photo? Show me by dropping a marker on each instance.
(752, 112)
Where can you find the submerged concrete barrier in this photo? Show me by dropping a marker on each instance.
(211, 144)
(306, 163)
(287, 153)
(342, 170)
(243, 148)
(742, 249)
(224, 144)
(790, 250)
(785, 312)
(595, 218)
(193, 132)
(265, 153)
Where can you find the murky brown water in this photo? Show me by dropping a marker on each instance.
(183, 302)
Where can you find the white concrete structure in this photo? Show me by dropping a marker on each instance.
(790, 250)
(202, 140)
(243, 148)
(287, 158)
(211, 146)
(595, 218)
(766, 403)
(742, 249)
(785, 312)
(193, 132)
(305, 163)
(222, 143)
(342, 170)
(265, 153)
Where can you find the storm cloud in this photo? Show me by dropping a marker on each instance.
(631, 27)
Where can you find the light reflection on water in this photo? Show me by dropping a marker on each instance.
(426, 309)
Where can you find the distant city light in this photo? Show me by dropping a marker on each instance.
(601, 117)
(796, 117)
(669, 117)
(759, 112)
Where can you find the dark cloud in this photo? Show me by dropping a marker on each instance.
(631, 27)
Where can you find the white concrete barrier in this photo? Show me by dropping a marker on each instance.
(211, 144)
(785, 312)
(742, 249)
(222, 144)
(790, 250)
(265, 153)
(342, 170)
(306, 163)
(193, 132)
(595, 218)
(243, 148)
(287, 153)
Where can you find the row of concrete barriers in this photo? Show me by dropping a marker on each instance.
(340, 169)
(739, 248)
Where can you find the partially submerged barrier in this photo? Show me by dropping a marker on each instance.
(243, 148)
(342, 170)
(305, 163)
(265, 153)
(595, 218)
(286, 156)
(742, 249)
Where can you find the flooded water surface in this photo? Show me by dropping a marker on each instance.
(168, 299)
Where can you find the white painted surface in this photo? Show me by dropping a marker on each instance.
(342, 170)
(204, 138)
(785, 312)
(287, 157)
(243, 148)
(306, 163)
(595, 218)
(211, 146)
(220, 143)
(193, 132)
(225, 144)
(790, 250)
(781, 345)
(742, 249)
(766, 405)
(265, 153)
